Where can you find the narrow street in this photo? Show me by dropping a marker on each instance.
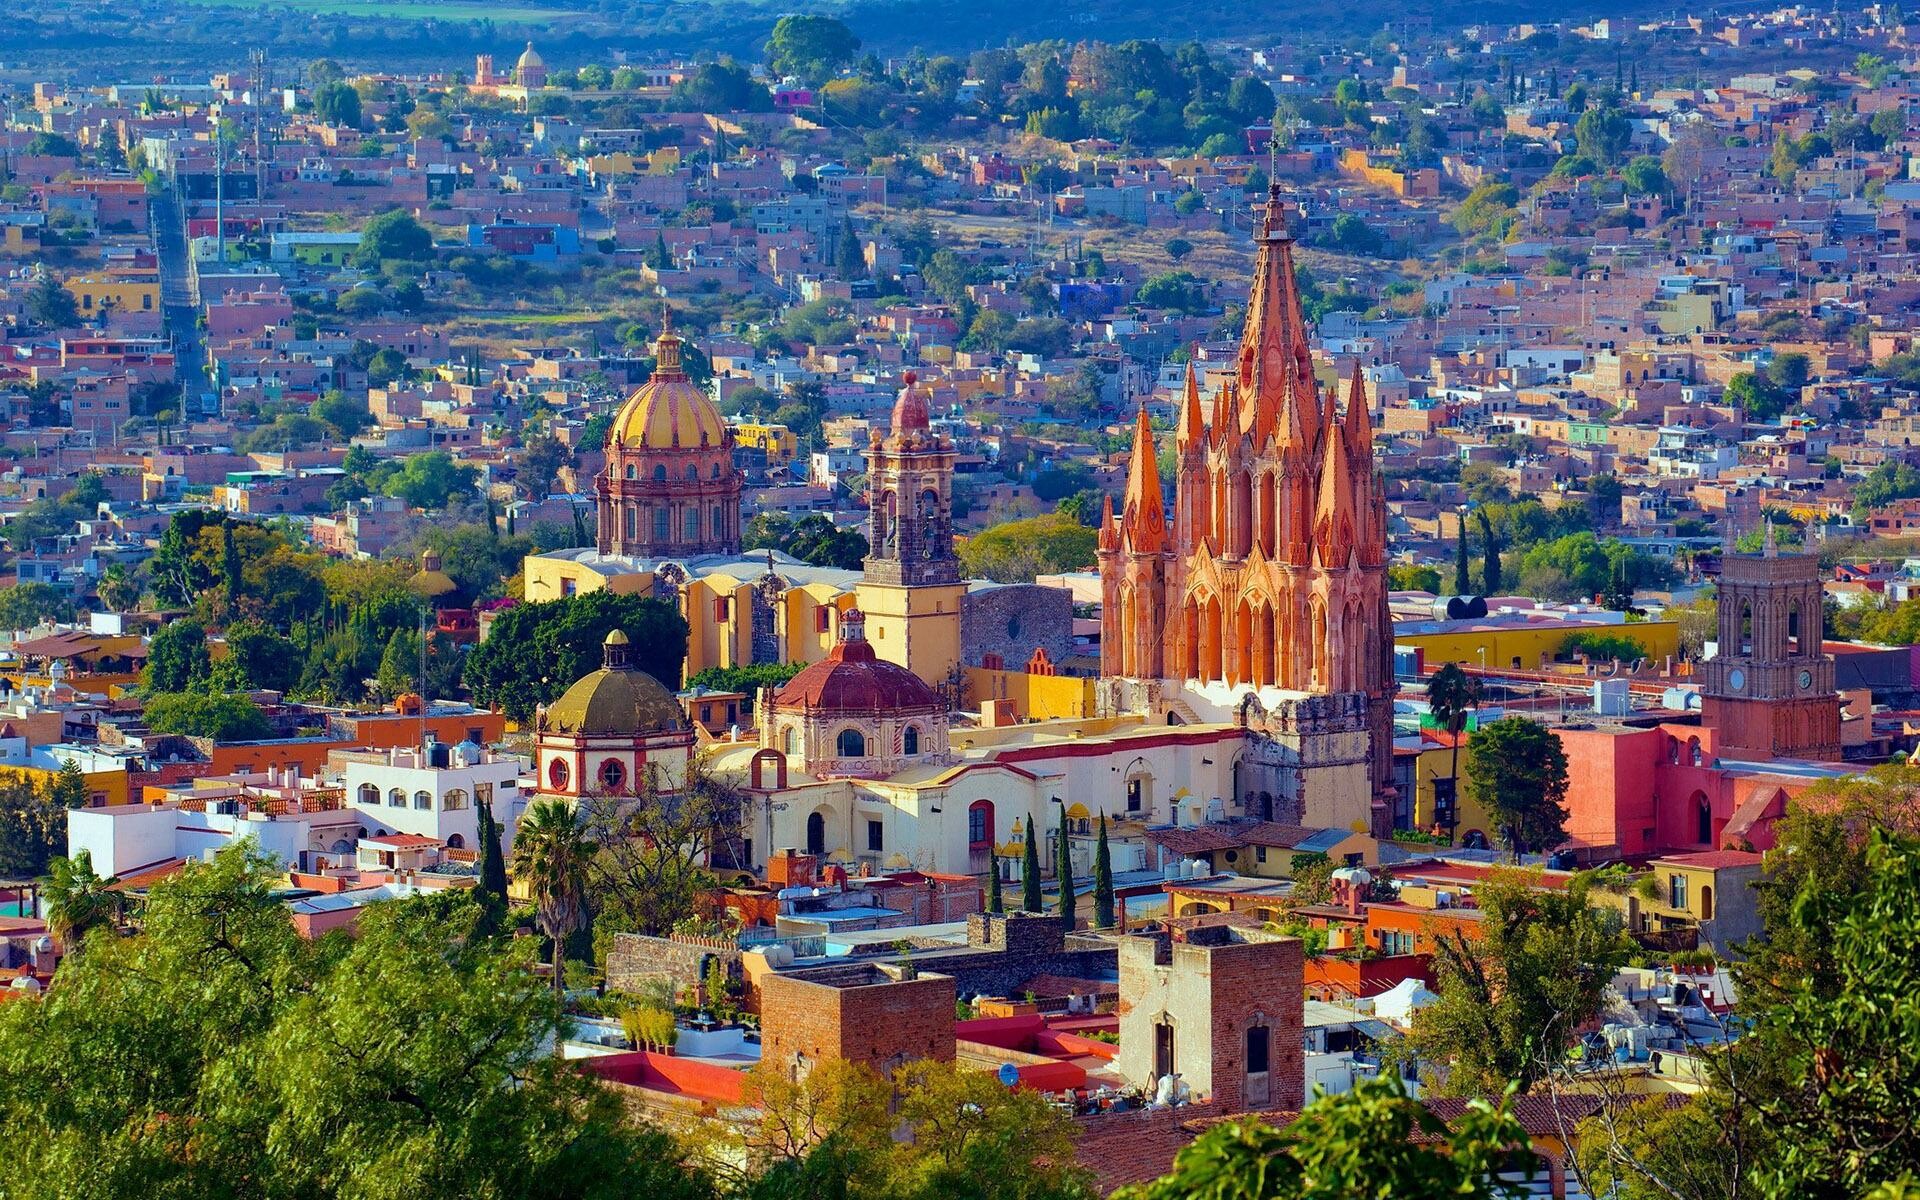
(180, 305)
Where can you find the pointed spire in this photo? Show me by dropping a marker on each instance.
(1768, 547)
(1109, 529)
(1276, 365)
(1192, 425)
(1145, 522)
(1359, 420)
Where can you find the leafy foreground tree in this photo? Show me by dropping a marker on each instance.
(1512, 997)
(550, 855)
(218, 1054)
(1356, 1146)
(832, 1133)
(1517, 774)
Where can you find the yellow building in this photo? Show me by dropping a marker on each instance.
(777, 441)
(95, 292)
(1526, 645)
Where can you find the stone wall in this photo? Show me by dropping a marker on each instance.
(1013, 621)
(1004, 952)
(636, 958)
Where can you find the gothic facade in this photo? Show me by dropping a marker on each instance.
(1269, 584)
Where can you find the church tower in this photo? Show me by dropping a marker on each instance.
(1769, 691)
(670, 489)
(912, 587)
(1269, 591)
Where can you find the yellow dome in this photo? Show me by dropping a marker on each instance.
(531, 57)
(617, 700)
(668, 411)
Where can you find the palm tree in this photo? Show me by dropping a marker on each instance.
(77, 900)
(1452, 694)
(550, 856)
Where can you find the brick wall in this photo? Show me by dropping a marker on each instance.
(864, 1012)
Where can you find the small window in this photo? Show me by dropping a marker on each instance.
(910, 740)
(423, 801)
(1677, 891)
(454, 800)
(613, 776)
(875, 836)
(1258, 1050)
(396, 799)
(851, 744)
(558, 775)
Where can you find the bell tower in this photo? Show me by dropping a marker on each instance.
(1769, 692)
(912, 587)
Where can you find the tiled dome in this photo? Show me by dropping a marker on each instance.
(668, 411)
(853, 679)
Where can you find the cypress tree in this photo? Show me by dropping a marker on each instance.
(1491, 586)
(491, 892)
(1063, 868)
(493, 517)
(995, 903)
(230, 564)
(1462, 581)
(1102, 880)
(580, 537)
(1030, 875)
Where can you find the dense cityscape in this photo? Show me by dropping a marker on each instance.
(959, 604)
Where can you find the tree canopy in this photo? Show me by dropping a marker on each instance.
(564, 637)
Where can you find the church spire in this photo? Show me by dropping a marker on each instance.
(1145, 519)
(1276, 366)
(1192, 425)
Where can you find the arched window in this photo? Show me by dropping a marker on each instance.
(659, 473)
(1693, 752)
(693, 473)
(396, 799)
(456, 842)
(613, 776)
(454, 800)
(369, 796)
(851, 744)
(910, 740)
(1793, 627)
(557, 774)
(816, 834)
(633, 472)
(716, 470)
(980, 823)
(1703, 831)
(786, 740)
(423, 801)
(1746, 628)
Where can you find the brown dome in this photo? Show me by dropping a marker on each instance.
(618, 700)
(853, 679)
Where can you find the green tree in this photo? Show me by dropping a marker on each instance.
(345, 415)
(1517, 774)
(1405, 577)
(1514, 993)
(996, 903)
(177, 657)
(814, 48)
(25, 605)
(77, 900)
(119, 590)
(392, 236)
(1103, 909)
(1374, 1141)
(490, 893)
(1030, 900)
(69, 787)
(431, 480)
(51, 304)
(1452, 697)
(197, 714)
(1645, 176)
(540, 461)
(404, 1059)
(337, 103)
(1462, 573)
(1017, 551)
(1063, 871)
(566, 638)
(655, 838)
(967, 1134)
(550, 856)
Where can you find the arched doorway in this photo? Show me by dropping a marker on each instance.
(816, 834)
(980, 837)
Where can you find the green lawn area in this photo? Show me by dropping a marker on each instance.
(413, 10)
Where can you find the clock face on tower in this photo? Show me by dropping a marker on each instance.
(1806, 680)
(1737, 679)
